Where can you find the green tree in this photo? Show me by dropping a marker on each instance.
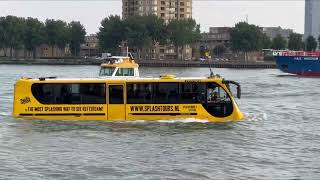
(56, 33)
(265, 41)
(76, 36)
(156, 28)
(183, 32)
(311, 43)
(304, 45)
(111, 33)
(14, 32)
(279, 42)
(136, 33)
(2, 33)
(34, 35)
(62, 32)
(246, 37)
(319, 41)
(144, 31)
(295, 42)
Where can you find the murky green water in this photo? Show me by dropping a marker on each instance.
(280, 138)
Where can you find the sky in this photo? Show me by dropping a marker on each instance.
(208, 13)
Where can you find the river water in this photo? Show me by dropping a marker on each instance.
(279, 139)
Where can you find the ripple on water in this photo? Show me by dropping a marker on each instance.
(278, 139)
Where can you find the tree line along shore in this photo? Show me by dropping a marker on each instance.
(136, 32)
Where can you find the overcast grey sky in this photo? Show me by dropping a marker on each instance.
(287, 14)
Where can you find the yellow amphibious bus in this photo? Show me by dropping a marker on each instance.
(120, 94)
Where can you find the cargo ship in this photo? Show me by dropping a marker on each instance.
(298, 62)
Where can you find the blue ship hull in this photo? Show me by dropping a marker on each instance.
(301, 65)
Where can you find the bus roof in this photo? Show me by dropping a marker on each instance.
(119, 79)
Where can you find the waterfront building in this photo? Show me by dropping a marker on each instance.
(217, 36)
(272, 32)
(47, 51)
(42, 51)
(167, 10)
(90, 47)
(312, 18)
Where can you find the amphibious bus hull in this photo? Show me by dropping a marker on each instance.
(125, 99)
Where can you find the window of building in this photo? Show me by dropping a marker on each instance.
(181, 3)
(69, 93)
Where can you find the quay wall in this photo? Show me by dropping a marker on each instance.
(171, 63)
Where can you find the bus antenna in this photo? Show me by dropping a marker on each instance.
(211, 73)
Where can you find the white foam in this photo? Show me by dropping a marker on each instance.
(256, 117)
(186, 120)
(5, 113)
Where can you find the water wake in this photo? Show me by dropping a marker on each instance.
(255, 117)
(5, 113)
(186, 120)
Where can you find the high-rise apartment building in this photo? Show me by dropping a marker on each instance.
(312, 18)
(166, 9)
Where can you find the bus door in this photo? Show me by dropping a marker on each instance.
(116, 106)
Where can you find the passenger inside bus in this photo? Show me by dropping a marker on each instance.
(214, 97)
(212, 94)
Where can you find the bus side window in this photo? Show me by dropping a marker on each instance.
(215, 94)
(166, 92)
(69, 93)
(219, 103)
(140, 93)
(193, 92)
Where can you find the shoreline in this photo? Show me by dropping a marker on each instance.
(164, 63)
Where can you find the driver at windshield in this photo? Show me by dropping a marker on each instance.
(212, 94)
